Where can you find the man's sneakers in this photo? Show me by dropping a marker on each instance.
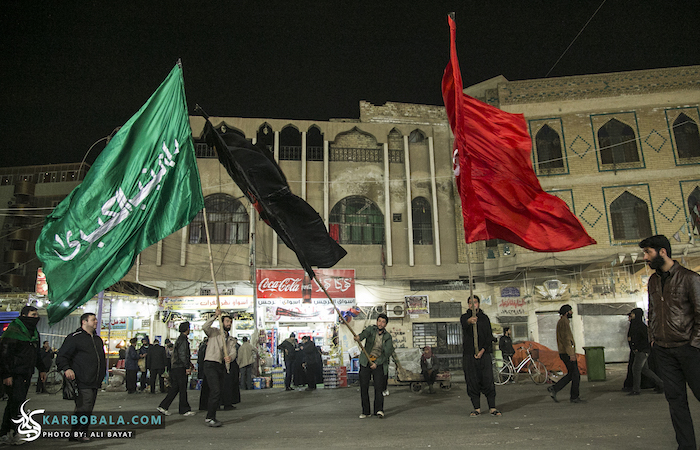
(385, 393)
(577, 400)
(212, 423)
(380, 414)
(552, 393)
(163, 411)
(363, 416)
(634, 393)
(190, 413)
(8, 438)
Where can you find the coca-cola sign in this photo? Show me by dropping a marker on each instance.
(295, 284)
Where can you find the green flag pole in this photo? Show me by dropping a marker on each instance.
(216, 287)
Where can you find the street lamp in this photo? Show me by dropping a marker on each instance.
(107, 138)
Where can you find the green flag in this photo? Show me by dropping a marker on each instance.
(143, 187)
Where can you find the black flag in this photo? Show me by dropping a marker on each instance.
(260, 178)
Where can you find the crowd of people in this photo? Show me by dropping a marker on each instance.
(671, 340)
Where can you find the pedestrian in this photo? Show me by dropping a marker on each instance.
(143, 364)
(288, 348)
(567, 353)
(310, 362)
(638, 340)
(155, 362)
(245, 360)
(82, 358)
(203, 386)
(180, 369)
(231, 392)
(131, 365)
(216, 363)
(379, 346)
(674, 332)
(46, 354)
(429, 367)
(168, 354)
(505, 344)
(477, 361)
(19, 355)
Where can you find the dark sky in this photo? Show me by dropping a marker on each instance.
(71, 72)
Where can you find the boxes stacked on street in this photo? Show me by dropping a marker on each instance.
(277, 377)
(330, 377)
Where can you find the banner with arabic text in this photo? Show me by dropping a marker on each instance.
(143, 187)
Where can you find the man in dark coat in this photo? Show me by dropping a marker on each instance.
(288, 347)
(132, 366)
(46, 354)
(82, 358)
(477, 361)
(19, 355)
(155, 362)
(181, 367)
(638, 339)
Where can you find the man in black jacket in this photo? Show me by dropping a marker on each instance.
(180, 368)
(477, 362)
(82, 358)
(19, 354)
(155, 362)
(674, 332)
(638, 339)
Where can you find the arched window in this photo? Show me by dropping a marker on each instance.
(314, 144)
(629, 215)
(549, 154)
(618, 143)
(685, 130)
(422, 221)
(416, 137)
(227, 218)
(356, 220)
(290, 144)
(265, 137)
(694, 209)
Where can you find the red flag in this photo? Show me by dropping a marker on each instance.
(501, 195)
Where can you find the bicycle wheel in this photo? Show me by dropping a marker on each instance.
(537, 371)
(504, 374)
(54, 382)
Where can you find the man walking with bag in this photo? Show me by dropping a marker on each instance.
(180, 368)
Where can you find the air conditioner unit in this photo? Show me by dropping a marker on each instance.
(396, 309)
(380, 309)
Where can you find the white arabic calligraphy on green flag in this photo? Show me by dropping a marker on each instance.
(143, 187)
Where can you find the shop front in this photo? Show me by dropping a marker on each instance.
(288, 301)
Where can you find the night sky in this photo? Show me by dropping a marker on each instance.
(73, 71)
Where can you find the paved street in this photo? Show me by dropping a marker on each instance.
(328, 418)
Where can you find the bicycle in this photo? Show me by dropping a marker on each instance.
(537, 370)
(54, 380)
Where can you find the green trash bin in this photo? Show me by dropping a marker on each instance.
(595, 363)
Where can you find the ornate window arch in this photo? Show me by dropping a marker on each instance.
(618, 143)
(357, 220)
(629, 215)
(549, 152)
(685, 130)
(227, 218)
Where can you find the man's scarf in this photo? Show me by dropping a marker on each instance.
(18, 330)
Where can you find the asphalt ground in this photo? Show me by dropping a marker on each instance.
(328, 418)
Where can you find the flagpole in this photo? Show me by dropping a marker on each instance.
(471, 295)
(216, 287)
(341, 317)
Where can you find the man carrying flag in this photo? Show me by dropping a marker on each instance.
(142, 188)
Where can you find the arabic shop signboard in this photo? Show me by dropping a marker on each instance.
(290, 296)
(206, 302)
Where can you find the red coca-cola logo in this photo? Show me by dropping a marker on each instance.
(284, 285)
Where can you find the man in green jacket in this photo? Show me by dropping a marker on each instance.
(379, 346)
